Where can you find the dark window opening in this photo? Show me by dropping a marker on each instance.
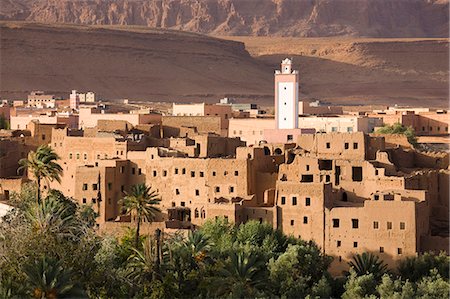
(355, 145)
(325, 164)
(294, 201)
(357, 174)
(355, 244)
(335, 222)
(307, 178)
(328, 145)
(346, 145)
(355, 223)
(305, 220)
(283, 200)
(292, 222)
(307, 201)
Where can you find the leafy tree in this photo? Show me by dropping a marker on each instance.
(359, 286)
(414, 268)
(368, 263)
(395, 289)
(398, 128)
(47, 278)
(141, 201)
(43, 166)
(295, 272)
(220, 233)
(433, 286)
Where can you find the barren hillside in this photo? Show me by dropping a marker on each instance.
(370, 18)
(136, 63)
(154, 64)
(402, 71)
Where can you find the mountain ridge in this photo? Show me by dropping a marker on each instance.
(298, 18)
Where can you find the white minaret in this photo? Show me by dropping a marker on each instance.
(286, 96)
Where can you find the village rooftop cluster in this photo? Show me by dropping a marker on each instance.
(314, 171)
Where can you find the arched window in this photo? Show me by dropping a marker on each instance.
(196, 213)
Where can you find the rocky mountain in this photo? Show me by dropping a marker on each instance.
(300, 18)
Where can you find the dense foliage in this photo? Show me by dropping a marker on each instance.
(398, 128)
(51, 250)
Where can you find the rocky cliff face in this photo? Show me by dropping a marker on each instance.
(371, 18)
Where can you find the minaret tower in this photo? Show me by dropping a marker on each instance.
(286, 96)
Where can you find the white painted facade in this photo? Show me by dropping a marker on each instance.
(286, 96)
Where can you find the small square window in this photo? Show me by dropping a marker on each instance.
(70, 156)
(94, 186)
(192, 174)
(183, 171)
(402, 225)
(399, 251)
(292, 222)
(217, 189)
(381, 249)
(307, 167)
(305, 220)
(283, 200)
(177, 191)
(389, 225)
(231, 189)
(85, 186)
(346, 145)
(84, 200)
(355, 244)
(290, 137)
(176, 170)
(197, 192)
(294, 201)
(375, 224)
(355, 223)
(328, 145)
(376, 197)
(335, 222)
(236, 173)
(154, 173)
(202, 174)
(183, 204)
(355, 145)
(338, 243)
(139, 171)
(213, 173)
(133, 170)
(94, 200)
(122, 188)
(109, 186)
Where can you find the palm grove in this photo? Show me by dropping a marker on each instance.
(49, 248)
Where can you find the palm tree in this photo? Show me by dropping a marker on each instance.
(243, 276)
(141, 201)
(141, 263)
(43, 166)
(368, 263)
(198, 245)
(47, 278)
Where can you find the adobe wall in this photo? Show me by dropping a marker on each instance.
(8, 186)
(343, 240)
(204, 124)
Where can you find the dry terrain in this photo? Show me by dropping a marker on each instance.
(166, 65)
(136, 63)
(361, 70)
